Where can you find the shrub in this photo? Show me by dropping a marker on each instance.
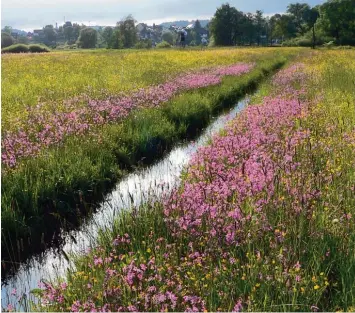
(304, 42)
(143, 44)
(297, 42)
(329, 44)
(19, 48)
(163, 44)
(38, 48)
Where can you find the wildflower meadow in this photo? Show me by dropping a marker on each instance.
(263, 219)
(63, 153)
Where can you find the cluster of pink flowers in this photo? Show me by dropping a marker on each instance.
(290, 82)
(238, 168)
(242, 167)
(46, 126)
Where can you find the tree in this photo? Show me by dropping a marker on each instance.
(87, 38)
(68, 32)
(116, 39)
(76, 31)
(49, 35)
(224, 25)
(60, 34)
(197, 32)
(107, 36)
(168, 37)
(299, 11)
(284, 26)
(337, 20)
(246, 29)
(259, 25)
(128, 31)
(197, 27)
(7, 29)
(311, 18)
(6, 40)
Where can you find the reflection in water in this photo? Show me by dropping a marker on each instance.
(134, 190)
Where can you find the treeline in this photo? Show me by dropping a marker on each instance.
(70, 35)
(301, 25)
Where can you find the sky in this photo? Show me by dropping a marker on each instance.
(27, 15)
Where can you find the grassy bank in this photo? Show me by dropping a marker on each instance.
(263, 221)
(62, 184)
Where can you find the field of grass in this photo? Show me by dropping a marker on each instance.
(72, 147)
(263, 220)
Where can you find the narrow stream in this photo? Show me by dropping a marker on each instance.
(133, 190)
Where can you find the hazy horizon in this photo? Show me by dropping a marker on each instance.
(38, 13)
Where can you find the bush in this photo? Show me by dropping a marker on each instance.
(298, 42)
(304, 42)
(329, 44)
(168, 37)
(143, 44)
(38, 48)
(163, 44)
(19, 48)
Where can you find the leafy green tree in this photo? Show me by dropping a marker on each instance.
(259, 25)
(76, 31)
(87, 38)
(60, 34)
(196, 33)
(6, 40)
(311, 18)
(247, 29)
(337, 20)
(7, 29)
(224, 25)
(107, 34)
(168, 37)
(285, 27)
(128, 31)
(49, 35)
(300, 12)
(116, 40)
(68, 32)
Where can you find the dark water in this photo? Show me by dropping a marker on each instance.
(133, 190)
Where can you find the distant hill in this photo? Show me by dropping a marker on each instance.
(184, 23)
